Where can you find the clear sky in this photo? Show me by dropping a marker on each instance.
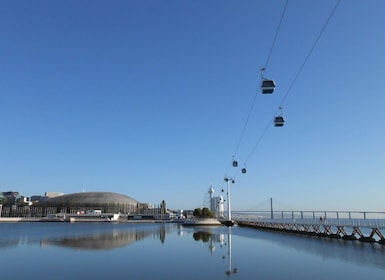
(150, 99)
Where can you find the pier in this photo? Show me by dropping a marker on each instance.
(347, 225)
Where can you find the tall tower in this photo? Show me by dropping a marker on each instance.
(212, 204)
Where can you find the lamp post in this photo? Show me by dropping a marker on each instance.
(229, 180)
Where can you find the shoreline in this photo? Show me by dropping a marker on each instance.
(56, 220)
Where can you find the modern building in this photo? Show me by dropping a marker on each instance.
(108, 202)
(216, 203)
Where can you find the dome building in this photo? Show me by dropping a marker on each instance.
(108, 202)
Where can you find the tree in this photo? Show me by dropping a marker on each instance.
(203, 213)
(197, 212)
(206, 213)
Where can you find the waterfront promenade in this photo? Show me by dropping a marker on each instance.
(347, 225)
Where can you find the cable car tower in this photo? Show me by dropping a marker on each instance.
(229, 222)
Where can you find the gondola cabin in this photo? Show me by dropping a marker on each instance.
(243, 170)
(235, 163)
(279, 121)
(268, 86)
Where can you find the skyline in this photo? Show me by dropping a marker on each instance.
(151, 99)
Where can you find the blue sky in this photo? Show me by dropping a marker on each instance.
(150, 98)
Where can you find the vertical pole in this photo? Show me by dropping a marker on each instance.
(1, 209)
(228, 199)
(271, 208)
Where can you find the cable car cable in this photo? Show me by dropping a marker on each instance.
(310, 52)
(266, 64)
(276, 34)
(296, 77)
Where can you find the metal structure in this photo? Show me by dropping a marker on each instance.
(229, 221)
(347, 225)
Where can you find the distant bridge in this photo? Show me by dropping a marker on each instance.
(349, 225)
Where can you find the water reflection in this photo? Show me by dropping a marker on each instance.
(207, 236)
(353, 252)
(84, 237)
(356, 252)
(104, 241)
(175, 252)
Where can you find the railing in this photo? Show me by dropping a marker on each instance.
(333, 218)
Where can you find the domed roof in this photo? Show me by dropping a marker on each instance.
(94, 198)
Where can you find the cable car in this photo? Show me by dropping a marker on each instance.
(279, 121)
(267, 86)
(244, 170)
(235, 163)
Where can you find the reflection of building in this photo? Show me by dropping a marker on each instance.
(210, 237)
(98, 241)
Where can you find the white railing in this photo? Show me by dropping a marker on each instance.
(332, 218)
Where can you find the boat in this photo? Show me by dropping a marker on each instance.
(228, 223)
(94, 218)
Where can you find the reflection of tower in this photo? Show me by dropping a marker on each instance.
(212, 245)
(230, 270)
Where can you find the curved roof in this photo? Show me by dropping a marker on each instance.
(94, 198)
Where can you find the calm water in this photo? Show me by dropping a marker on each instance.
(170, 251)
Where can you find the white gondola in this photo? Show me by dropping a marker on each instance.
(267, 86)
